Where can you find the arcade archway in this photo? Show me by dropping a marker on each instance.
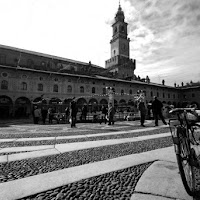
(22, 107)
(6, 107)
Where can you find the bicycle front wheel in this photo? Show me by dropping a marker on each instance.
(185, 168)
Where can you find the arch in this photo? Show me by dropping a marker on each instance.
(6, 107)
(67, 102)
(174, 103)
(122, 102)
(81, 102)
(93, 101)
(55, 100)
(39, 100)
(22, 107)
(93, 105)
(131, 102)
(103, 102)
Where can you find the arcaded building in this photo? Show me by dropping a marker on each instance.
(28, 77)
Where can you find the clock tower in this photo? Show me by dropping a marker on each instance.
(119, 42)
(120, 64)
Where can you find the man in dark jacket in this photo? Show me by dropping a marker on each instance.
(157, 111)
(73, 112)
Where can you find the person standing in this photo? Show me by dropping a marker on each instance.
(67, 112)
(84, 112)
(73, 113)
(111, 113)
(37, 114)
(157, 111)
(141, 107)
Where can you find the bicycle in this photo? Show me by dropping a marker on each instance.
(182, 129)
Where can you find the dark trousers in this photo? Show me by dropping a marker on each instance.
(44, 119)
(157, 115)
(142, 118)
(73, 122)
(36, 120)
(111, 120)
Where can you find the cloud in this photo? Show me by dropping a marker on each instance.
(165, 37)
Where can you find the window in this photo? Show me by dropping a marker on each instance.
(151, 94)
(130, 92)
(4, 85)
(30, 63)
(81, 89)
(55, 88)
(163, 95)
(168, 95)
(104, 90)
(40, 87)
(2, 59)
(69, 89)
(157, 94)
(93, 90)
(23, 86)
(122, 92)
(193, 95)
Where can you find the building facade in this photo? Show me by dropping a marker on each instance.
(27, 78)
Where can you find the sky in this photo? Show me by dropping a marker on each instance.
(164, 34)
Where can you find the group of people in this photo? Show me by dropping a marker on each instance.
(156, 107)
(107, 113)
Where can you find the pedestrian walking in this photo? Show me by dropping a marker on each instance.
(73, 113)
(157, 111)
(34, 107)
(44, 113)
(67, 112)
(141, 107)
(111, 113)
(104, 113)
(84, 113)
(50, 114)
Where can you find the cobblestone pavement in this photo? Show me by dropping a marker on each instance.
(115, 185)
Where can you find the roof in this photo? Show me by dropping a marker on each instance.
(47, 55)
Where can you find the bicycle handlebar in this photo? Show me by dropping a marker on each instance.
(180, 110)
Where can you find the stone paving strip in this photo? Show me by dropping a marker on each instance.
(46, 150)
(77, 136)
(165, 176)
(28, 186)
